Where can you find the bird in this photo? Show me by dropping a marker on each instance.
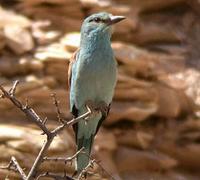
(92, 77)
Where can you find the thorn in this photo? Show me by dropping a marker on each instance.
(24, 107)
(89, 110)
(45, 120)
(13, 89)
(56, 103)
(26, 104)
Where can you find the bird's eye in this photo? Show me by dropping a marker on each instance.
(97, 20)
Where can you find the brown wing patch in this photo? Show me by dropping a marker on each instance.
(71, 62)
(74, 109)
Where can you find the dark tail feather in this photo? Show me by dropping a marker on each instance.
(83, 158)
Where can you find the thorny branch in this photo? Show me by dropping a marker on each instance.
(69, 159)
(65, 160)
(104, 170)
(56, 103)
(14, 165)
(54, 176)
(84, 171)
(31, 114)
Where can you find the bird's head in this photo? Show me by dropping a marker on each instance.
(99, 23)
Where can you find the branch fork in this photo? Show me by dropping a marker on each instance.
(34, 117)
(50, 135)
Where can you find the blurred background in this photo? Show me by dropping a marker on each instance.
(153, 130)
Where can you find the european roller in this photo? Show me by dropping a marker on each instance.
(92, 79)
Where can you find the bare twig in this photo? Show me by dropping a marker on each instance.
(54, 176)
(70, 159)
(14, 165)
(45, 120)
(65, 160)
(99, 165)
(13, 89)
(56, 103)
(49, 140)
(104, 170)
(84, 171)
(69, 123)
(32, 115)
(33, 172)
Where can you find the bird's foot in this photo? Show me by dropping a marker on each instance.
(95, 109)
(76, 174)
(103, 108)
(91, 107)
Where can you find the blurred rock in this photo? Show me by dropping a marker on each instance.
(9, 18)
(71, 41)
(15, 32)
(18, 39)
(2, 40)
(42, 35)
(29, 141)
(65, 15)
(134, 160)
(131, 111)
(138, 139)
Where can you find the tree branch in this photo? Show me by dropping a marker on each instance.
(14, 165)
(29, 112)
(54, 176)
(56, 103)
(32, 115)
(84, 171)
(65, 160)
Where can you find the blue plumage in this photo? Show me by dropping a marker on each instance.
(93, 77)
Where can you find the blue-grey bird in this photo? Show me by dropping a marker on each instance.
(92, 78)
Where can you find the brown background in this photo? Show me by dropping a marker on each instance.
(153, 130)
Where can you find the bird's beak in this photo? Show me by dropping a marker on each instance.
(116, 19)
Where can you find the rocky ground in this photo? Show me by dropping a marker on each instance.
(153, 130)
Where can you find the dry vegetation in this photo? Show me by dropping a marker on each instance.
(153, 130)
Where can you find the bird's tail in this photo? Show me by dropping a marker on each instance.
(84, 139)
(84, 158)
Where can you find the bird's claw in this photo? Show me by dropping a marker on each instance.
(91, 107)
(95, 109)
(103, 108)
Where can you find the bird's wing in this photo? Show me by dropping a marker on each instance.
(73, 108)
(104, 115)
(71, 62)
(73, 59)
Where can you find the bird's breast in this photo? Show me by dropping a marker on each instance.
(96, 77)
